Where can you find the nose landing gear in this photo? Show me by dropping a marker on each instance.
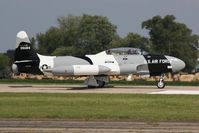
(161, 83)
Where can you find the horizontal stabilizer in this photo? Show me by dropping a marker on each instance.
(23, 61)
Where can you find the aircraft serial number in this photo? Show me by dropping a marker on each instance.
(109, 61)
(24, 48)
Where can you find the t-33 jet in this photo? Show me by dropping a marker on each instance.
(98, 67)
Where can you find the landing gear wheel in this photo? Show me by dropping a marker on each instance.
(101, 83)
(161, 84)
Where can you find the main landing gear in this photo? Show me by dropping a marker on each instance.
(97, 81)
(161, 83)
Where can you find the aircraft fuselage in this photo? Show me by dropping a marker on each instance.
(118, 61)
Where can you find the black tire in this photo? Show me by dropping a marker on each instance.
(161, 84)
(101, 83)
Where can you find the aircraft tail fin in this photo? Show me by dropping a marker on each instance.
(26, 59)
(24, 50)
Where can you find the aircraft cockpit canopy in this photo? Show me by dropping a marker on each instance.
(126, 51)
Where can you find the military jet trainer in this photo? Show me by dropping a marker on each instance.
(98, 67)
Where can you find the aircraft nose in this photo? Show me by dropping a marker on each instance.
(177, 64)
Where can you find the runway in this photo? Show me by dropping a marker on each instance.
(32, 88)
(75, 126)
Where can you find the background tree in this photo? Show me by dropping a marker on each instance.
(49, 41)
(81, 35)
(172, 38)
(4, 66)
(95, 34)
(136, 41)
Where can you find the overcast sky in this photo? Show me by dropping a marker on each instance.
(35, 16)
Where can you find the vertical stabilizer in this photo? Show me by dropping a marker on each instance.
(22, 37)
(26, 59)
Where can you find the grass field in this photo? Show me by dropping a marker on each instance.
(138, 107)
(122, 82)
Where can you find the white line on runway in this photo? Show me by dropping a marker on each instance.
(189, 92)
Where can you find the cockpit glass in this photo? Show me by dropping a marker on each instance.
(126, 51)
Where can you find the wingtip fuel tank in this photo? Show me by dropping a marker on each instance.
(79, 70)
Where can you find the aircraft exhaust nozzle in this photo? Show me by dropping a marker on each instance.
(15, 69)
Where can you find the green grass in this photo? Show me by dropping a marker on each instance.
(137, 107)
(121, 82)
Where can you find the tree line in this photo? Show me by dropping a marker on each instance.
(87, 34)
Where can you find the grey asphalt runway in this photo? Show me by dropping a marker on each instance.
(79, 126)
(83, 89)
(75, 126)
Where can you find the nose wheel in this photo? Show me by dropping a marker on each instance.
(161, 83)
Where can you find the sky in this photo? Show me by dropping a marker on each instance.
(37, 16)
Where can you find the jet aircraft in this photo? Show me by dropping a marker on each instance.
(98, 67)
